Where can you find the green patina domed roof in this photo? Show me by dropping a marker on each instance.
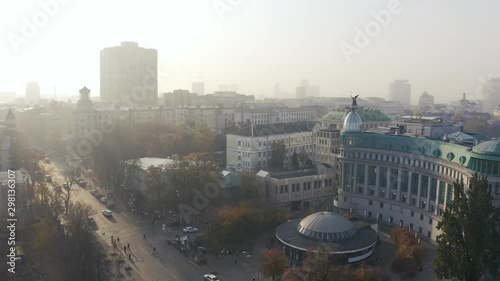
(326, 226)
(491, 147)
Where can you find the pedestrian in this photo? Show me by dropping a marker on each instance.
(118, 239)
(128, 246)
(124, 249)
(144, 237)
(253, 279)
(154, 250)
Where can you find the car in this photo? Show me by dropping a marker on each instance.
(103, 200)
(210, 277)
(110, 205)
(93, 192)
(107, 213)
(91, 221)
(190, 229)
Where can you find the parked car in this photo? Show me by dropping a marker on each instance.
(190, 229)
(91, 221)
(210, 277)
(81, 182)
(110, 205)
(103, 200)
(94, 192)
(107, 213)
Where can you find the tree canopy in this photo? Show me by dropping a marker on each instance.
(469, 245)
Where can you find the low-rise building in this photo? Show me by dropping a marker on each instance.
(250, 148)
(297, 190)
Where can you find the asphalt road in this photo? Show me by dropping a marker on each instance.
(165, 264)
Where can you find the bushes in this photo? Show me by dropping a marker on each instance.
(407, 259)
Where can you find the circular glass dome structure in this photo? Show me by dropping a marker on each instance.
(352, 122)
(491, 147)
(326, 226)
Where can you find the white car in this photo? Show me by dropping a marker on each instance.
(190, 229)
(107, 213)
(210, 277)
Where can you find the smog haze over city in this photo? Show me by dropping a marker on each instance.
(292, 140)
(443, 46)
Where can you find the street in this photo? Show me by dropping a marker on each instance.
(165, 264)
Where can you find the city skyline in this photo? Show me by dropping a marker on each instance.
(222, 46)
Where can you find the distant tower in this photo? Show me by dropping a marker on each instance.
(84, 102)
(400, 90)
(32, 92)
(491, 94)
(277, 90)
(129, 74)
(10, 120)
(198, 88)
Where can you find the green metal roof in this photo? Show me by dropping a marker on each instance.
(491, 148)
(366, 115)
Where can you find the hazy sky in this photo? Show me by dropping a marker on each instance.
(442, 46)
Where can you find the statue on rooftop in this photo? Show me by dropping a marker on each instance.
(354, 103)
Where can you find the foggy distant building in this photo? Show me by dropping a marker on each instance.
(229, 88)
(490, 91)
(129, 74)
(179, 98)
(277, 90)
(300, 92)
(400, 90)
(198, 88)
(32, 92)
(426, 100)
(306, 90)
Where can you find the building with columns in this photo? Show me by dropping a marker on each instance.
(406, 180)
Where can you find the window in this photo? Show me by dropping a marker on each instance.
(442, 191)
(429, 234)
(360, 189)
(449, 194)
(369, 214)
(414, 184)
(371, 191)
(370, 202)
(381, 205)
(430, 221)
(422, 204)
(413, 201)
(421, 217)
(360, 174)
(411, 226)
(383, 177)
(372, 175)
(412, 213)
(394, 179)
(393, 196)
(420, 229)
(403, 198)
(424, 186)
(391, 219)
(432, 209)
(433, 189)
(404, 181)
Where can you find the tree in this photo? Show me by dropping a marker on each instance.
(274, 263)
(277, 155)
(470, 241)
(155, 184)
(303, 157)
